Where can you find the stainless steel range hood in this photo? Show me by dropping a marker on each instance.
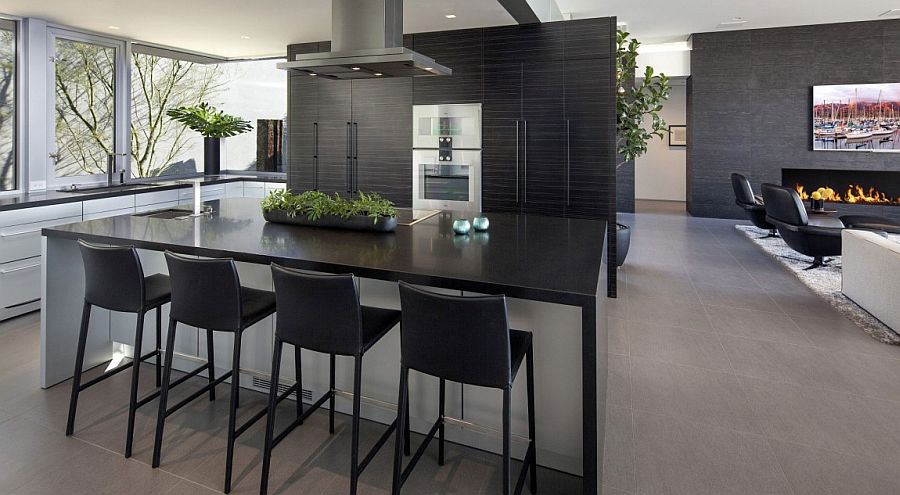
(367, 43)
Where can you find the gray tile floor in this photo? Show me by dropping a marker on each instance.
(727, 376)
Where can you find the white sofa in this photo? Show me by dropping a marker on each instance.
(871, 274)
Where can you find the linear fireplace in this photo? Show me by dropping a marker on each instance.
(876, 187)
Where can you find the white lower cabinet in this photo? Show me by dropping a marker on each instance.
(254, 189)
(20, 286)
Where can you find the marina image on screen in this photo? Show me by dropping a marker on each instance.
(856, 117)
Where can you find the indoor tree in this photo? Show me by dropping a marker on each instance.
(638, 103)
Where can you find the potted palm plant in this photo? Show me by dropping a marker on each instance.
(635, 102)
(213, 125)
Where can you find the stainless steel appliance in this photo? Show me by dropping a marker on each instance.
(447, 157)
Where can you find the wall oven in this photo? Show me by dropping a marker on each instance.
(447, 157)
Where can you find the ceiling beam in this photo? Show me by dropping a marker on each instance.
(521, 11)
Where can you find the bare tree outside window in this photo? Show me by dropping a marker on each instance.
(85, 109)
(158, 84)
(7, 110)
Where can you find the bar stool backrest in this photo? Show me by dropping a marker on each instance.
(113, 277)
(458, 338)
(206, 293)
(317, 311)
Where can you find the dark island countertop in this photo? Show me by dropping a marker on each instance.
(53, 197)
(549, 259)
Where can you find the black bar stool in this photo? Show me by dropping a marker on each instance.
(114, 280)
(322, 313)
(207, 293)
(465, 340)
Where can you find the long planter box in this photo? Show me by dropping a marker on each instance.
(382, 224)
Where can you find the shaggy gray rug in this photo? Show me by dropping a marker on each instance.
(824, 281)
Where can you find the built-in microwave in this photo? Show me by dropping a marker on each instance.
(447, 156)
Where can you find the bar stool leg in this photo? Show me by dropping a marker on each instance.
(331, 401)
(211, 362)
(135, 381)
(270, 421)
(158, 346)
(164, 393)
(354, 446)
(506, 441)
(441, 428)
(79, 363)
(402, 403)
(529, 362)
(407, 436)
(298, 375)
(232, 413)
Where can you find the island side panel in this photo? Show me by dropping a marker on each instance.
(62, 299)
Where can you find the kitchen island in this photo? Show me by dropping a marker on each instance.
(552, 269)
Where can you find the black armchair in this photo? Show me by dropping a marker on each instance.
(755, 209)
(785, 210)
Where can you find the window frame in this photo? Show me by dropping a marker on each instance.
(14, 24)
(122, 104)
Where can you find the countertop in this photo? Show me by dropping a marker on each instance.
(52, 197)
(541, 258)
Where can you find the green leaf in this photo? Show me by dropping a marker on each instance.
(209, 122)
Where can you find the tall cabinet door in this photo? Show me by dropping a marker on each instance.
(302, 129)
(501, 140)
(382, 138)
(334, 130)
(589, 113)
(544, 147)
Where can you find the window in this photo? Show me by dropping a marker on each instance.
(159, 145)
(8, 161)
(256, 91)
(87, 121)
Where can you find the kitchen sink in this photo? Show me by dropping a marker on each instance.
(170, 214)
(92, 188)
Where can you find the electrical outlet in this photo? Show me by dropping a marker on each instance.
(37, 185)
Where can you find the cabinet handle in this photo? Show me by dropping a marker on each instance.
(316, 156)
(20, 268)
(349, 158)
(355, 180)
(525, 170)
(517, 162)
(24, 232)
(568, 159)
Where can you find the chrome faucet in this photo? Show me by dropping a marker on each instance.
(111, 168)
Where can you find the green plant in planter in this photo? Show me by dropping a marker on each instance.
(634, 102)
(315, 205)
(209, 122)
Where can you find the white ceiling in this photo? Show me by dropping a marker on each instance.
(217, 27)
(660, 21)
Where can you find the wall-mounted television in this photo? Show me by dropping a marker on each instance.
(856, 117)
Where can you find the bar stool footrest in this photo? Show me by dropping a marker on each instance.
(299, 421)
(198, 393)
(421, 450)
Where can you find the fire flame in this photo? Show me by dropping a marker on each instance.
(855, 194)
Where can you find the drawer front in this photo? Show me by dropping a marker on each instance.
(153, 198)
(215, 191)
(20, 282)
(40, 214)
(254, 189)
(275, 186)
(107, 214)
(24, 241)
(234, 190)
(108, 204)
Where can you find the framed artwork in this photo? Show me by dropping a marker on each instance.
(677, 135)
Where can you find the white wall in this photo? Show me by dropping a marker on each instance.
(661, 172)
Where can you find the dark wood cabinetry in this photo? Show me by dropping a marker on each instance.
(351, 136)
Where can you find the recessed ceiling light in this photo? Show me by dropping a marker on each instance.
(114, 28)
(245, 37)
(313, 74)
(734, 21)
(890, 13)
(354, 68)
(378, 74)
(428, 68)
(450, 16)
